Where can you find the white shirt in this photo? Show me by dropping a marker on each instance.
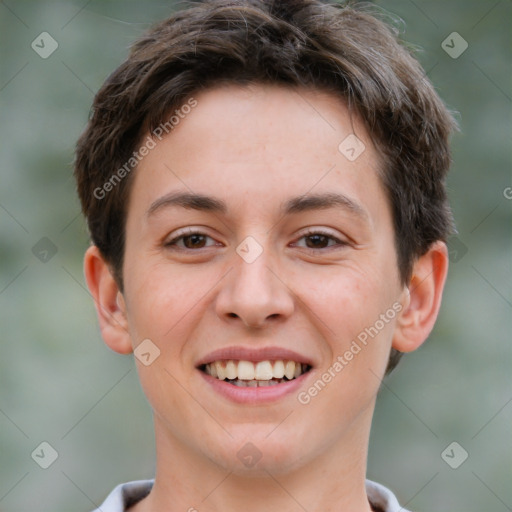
(126, 495)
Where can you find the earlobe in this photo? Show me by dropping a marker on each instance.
(109, 302)
(422, 300)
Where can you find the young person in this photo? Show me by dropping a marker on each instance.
(264, 186)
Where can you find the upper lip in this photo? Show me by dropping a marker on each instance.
(241, 353)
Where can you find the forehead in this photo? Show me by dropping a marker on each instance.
(257, 145)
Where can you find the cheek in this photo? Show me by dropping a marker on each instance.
(162, 306)
(348, 311)
(160, 300)
(166, 303)
(342, 300)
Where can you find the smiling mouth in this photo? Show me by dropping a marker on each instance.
(248, 374)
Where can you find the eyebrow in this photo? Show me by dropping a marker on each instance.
(293, 205)
(190, 201)
(323, 202)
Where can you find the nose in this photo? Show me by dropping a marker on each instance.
(255, 292)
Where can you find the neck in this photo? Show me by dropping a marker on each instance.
(333, 481)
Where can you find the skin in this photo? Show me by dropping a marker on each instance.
(254, 148)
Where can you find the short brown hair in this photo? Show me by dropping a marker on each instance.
(339, 48)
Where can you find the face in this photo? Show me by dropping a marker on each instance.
(288, 255)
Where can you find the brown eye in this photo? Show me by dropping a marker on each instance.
(190, 241)
(318, 240)
(193, 241)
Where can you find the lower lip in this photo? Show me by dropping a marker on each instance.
(254, 395)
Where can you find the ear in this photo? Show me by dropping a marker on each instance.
(109, 302)
(422, 299)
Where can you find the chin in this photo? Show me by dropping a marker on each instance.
(257, 456)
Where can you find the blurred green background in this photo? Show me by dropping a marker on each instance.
(60, 384)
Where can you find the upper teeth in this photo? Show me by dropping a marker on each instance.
(247, 370)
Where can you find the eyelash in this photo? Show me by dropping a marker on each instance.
(313, 232)
(310, 233)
